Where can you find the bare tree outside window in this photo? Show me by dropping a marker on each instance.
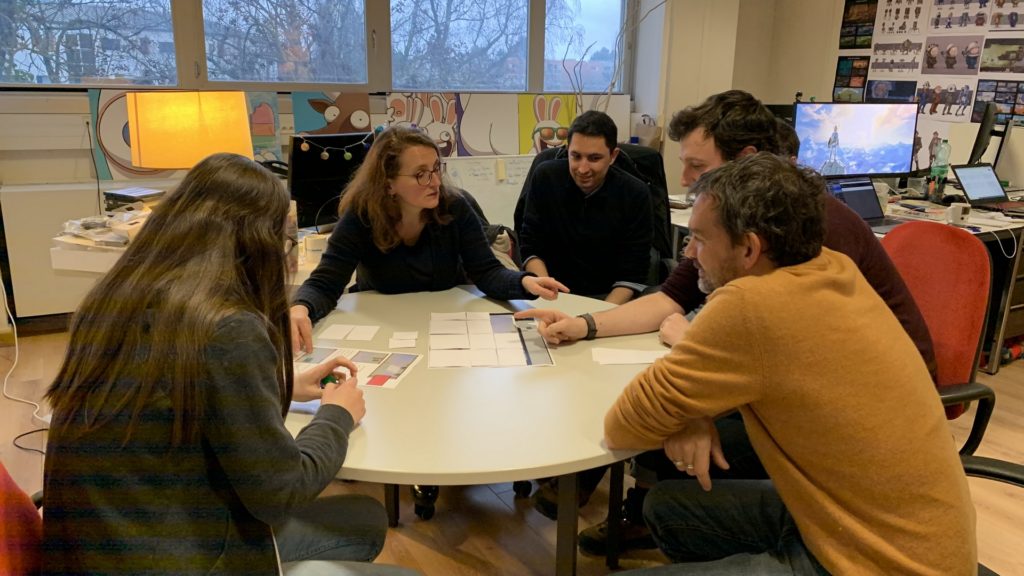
(459, 44)
(286, 40)
(86, 41)
(582, 48)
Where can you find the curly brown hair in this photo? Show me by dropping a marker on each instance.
(769, 196)
(734, 118)
(367, 194)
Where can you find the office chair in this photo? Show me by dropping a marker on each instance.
(992, 469)
(21, 528)
(646, 165)
(947, 271)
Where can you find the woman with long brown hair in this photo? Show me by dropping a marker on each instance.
(403, 230)
(168, 451)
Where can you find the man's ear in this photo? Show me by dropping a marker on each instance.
(614, 154)
(747, 151)
(753, 247)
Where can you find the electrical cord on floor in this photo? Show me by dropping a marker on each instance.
(14, 364)
(26, 448)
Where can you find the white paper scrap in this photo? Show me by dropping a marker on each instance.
(480, 327)
(509, 340)
(405, 335)
(447, 315)
(449, 358)
(620, 356)
(336, 332)
(447, 326)
(399, 343)
(481, 341)
(479, 316)
(449, 341)
(363, 333)
(511, 357)
(484, 357)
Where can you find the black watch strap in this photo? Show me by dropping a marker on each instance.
(591, 326)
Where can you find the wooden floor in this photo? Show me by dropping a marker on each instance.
(486, 530)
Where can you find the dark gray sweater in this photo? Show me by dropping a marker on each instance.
(204, 508)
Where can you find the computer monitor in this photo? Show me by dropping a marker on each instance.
(783, 111)
(856, 139)
(319, 168)
(1009, 163)
(985, 131)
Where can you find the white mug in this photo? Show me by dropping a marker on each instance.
(315, 243)
(957, 213)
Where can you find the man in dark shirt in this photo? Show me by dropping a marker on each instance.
(585, 220)
(725, 127)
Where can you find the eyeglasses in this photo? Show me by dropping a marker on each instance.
(425, 177)
(290, 243)
(549, 133)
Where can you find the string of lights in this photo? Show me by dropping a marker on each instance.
(325, 151)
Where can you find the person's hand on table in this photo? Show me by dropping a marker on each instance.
(544, 286)
(672, 329)
(694, 447)
(308, 384)
(302, 329)
(555, 326)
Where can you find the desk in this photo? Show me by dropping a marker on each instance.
(455, 426)
(1004, 240)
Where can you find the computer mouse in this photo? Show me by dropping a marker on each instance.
(948, 199)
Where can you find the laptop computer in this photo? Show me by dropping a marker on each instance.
(983, 191)
(859, 194)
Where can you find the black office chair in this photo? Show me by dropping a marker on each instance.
(646, 165)
(992, 469)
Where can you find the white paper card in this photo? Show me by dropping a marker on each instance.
(479, 316)
(449, 341)
(484, 357)
(447, 326)
(405, 335)
(480, 327)
(447, 315)
(399, 343)
(449, 358)
(511, 357)
(336, 332)
(479, 341)
(363, 333)
(620, 356)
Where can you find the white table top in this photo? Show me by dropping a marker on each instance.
(454, 426)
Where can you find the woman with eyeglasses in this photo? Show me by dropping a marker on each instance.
(168, 451)
(403, 230)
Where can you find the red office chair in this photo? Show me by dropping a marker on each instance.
(948, 273)
(21, 529)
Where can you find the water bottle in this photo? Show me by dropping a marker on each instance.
(940, 167)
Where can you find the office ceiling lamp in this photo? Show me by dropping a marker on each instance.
(175, 130)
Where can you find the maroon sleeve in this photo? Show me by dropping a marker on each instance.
(847, 232)
(681, 286)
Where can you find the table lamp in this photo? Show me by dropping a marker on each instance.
(175, 130)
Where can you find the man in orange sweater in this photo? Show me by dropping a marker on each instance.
(836, 401)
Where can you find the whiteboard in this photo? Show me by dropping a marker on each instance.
(495, 182)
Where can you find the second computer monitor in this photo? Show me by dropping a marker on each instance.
(842, 139)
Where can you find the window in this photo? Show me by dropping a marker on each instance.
(459, 45)
(286, 40)
(56, 42)
(582, 46)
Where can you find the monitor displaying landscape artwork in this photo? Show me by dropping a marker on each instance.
(841, 139)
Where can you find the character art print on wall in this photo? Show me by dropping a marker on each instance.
(435, 112)
(952, 55)
(858, 24)
(890, 91)
(1003, 55)
(946, 99)
(1008, 96)
(851, 77)
(899, 20)
(331, 113)
(896, 58)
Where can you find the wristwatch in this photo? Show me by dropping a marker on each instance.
(591, 326)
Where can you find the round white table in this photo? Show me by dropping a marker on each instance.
(457, 426)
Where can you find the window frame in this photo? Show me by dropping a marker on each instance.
(190, 56)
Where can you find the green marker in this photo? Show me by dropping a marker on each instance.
(329, 379)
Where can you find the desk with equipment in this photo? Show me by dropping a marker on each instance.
(458, 426)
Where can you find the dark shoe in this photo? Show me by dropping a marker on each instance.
(634, 536)
(545, 499)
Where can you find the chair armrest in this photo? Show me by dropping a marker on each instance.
(963, 393)
(992, 469)
(37, 499)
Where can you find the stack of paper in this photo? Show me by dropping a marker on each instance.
(463, 339)
(349, 332)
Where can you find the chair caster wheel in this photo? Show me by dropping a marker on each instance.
(522, 488)
(426, 512)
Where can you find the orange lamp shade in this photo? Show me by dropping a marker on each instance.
(175, 130)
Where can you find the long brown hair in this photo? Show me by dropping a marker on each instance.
(367, 194)
(213, 247)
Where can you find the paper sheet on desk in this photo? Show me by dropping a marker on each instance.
(620, 356)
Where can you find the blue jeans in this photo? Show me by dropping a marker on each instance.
(739, 527)
(348, 527)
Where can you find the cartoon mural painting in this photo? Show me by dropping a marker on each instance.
(485, 125)
(544, 121)
(407, 108)
(335, 113)
(264, 125)
(113, 159)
